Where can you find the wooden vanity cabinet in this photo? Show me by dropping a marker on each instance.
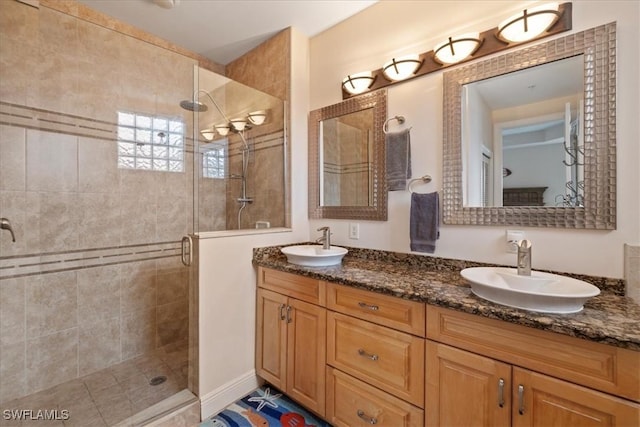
(291, 337)
(503, 374)
(375, 359)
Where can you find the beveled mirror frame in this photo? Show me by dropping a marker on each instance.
(599, 212)
(377, 211)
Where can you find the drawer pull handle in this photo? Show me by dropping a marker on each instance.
(501, 393)
(521, 399)
(365, 417)
(288, 314)
(281, 308)
(368, 306)
(363, 353)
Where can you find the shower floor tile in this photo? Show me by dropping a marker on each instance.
(110, 396)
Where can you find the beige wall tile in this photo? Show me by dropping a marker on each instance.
(12, 158)
(52, 359)
(12, 371)
(98, 294)
(98, 345)
(12, 311)
(58, 218)
(137, 287)
(100, 222)
(52, 161)
(51, 303)
(172, 217)
(138, 333)
(172, 286)
(139, 217)
(98, 165)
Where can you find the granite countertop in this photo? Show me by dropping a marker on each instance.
(610, 318)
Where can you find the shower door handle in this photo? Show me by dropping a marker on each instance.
(5, 224)
(187, 252)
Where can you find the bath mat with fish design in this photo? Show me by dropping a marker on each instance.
(265, 407)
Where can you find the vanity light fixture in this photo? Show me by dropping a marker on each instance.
(456, 49)
(208, 134)
(401, 68)
(238, 124)
(223, 130)
(358, 83)
(528, 24)
(257, 117)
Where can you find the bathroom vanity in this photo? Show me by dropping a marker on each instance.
(400, 340)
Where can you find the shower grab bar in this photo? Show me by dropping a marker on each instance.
(187, 253)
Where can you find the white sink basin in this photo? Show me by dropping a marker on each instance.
(314, 255)
(542, 292)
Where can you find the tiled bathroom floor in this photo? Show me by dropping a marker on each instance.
(110, 396)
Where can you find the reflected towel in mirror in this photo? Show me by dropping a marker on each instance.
(398, 149)
(424, 222)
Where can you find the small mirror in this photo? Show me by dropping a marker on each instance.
(549, 160)
(346, 159)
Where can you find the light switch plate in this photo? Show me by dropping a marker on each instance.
(354, 230)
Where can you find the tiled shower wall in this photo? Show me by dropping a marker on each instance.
(94, 277)
(266, 68)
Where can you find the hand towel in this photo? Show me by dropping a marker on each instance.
(398, 148)
(424, 222)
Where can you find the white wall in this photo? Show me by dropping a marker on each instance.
(227, 279)
(392, 28)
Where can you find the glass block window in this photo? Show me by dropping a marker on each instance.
(150, 143)
(213, 162)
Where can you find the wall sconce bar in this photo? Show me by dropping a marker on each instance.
(490, 44)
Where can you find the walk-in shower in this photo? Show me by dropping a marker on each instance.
(246, 128)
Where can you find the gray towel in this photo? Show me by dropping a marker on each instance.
(424, 222)
(398, 148)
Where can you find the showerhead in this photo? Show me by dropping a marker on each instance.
(197, 107)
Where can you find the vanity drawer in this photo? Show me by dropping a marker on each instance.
(293, 285)
(383, 357)
(602, 367)
(352, 403)
(404, 315)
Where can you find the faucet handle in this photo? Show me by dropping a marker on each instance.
(325, 228)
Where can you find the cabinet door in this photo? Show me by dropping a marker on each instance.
(271, 337)
(464, 389)
(306, 354)
(539, 400)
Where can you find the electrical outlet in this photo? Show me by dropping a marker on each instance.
(513, 236)
(354, 230)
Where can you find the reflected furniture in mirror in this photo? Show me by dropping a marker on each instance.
(346, 159)
(519, 122)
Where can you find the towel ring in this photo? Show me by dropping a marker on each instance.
(385, 127)
(425, 179)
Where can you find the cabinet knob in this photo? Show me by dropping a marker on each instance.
(520, 399)
(363, 353)
(368, 306)
(501, 393)
(367, 418)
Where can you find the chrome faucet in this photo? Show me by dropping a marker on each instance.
(5, 224)
(524, 258)
(326, 237)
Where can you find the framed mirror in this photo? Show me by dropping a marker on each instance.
(346, 159)
(529, 136)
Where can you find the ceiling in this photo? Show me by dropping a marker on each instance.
(223, 30)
